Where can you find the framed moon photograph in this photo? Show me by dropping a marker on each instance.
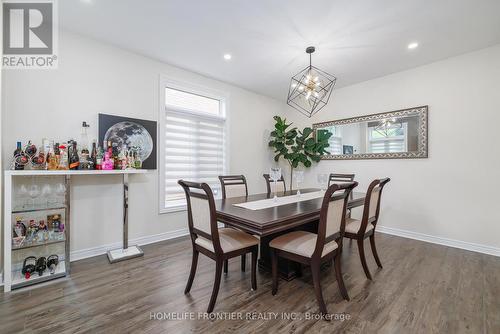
(136, 134)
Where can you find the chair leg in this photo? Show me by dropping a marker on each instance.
(374, 250)
(274, 261)
(315, 270)
(254, 268)
(363, 259)
(215, 291)
(340, 279)
(194, 264)
(243, 262)
(225, 266)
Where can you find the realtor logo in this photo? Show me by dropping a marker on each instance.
(29, 34)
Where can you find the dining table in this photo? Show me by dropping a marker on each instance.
(268, 218)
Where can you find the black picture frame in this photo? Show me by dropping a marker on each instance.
(131, 132)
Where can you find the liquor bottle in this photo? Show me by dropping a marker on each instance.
(137, 161)
(122, 157)
(63, 157)
(93, 155)
(41, 265)
(74, 160)
(85, 160)
(20, 159)
(107, 163)
(111, 158)
(52, 262)
(98, 159)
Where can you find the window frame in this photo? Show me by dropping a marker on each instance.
(222, 97)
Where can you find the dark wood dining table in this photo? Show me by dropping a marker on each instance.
(271, 222)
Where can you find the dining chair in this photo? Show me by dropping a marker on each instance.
(208, 239)
(359, 230)
(314, 249)
(234, 186)
(280, 184)
(340, 178)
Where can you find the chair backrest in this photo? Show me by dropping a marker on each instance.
(233, 186)
(280, 184)
(332, 215)
(202, 219)
(340, 178)
(371, 209)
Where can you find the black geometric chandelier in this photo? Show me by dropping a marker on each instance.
(310, 89)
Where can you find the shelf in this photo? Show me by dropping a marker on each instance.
(40, 209)
(73, 172)
(38, 244)
(18, 280)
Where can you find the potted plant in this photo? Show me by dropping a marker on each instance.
(298, 147)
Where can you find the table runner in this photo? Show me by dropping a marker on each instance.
(269, 202)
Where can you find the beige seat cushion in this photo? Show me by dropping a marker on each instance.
(230, 240)
(353, 225)
(301, 243)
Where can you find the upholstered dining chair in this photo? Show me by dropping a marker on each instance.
(359, 230)
(280, 184)
(313, 249)
(208, 239)
(234, 186)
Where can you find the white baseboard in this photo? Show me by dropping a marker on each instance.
(95, 251)
(100, 250)
(440, 241)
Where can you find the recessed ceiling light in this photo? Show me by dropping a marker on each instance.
(228, 56)
(413, 45)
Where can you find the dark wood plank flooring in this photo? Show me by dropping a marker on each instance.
(423, 288)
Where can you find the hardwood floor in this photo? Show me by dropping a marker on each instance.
(423, 288)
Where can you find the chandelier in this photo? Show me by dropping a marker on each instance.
(389, 127)
(310, 89)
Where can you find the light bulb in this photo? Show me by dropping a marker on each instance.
(316, 79)
(308, 95)
(301, 88)
(316, 94)
(294, 85)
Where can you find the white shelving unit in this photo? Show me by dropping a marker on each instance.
(12, 274)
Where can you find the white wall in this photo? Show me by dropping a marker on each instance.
(455, 192)
(94, 77)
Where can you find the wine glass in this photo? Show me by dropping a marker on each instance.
(60, 192)
(322, 180)
(34, 192)
(275, 175)
(22, 193)
(46, 193)
(299, 178)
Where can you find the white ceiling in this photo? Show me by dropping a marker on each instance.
(355, 40)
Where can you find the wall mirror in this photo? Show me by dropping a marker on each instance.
(399, 134)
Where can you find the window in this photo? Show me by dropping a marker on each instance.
(193, 143)
(395, 140)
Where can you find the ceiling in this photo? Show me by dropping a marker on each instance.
(355, 40)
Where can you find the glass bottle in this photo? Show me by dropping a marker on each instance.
(63, 156)
(93, 156)
(99, 158)
(137, 161)
(74, 160)
(19, 158)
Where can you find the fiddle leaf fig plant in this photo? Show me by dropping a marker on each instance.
(298, 147)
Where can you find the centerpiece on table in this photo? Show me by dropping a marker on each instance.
(298, 147)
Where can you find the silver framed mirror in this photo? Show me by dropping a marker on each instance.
(400, 134)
